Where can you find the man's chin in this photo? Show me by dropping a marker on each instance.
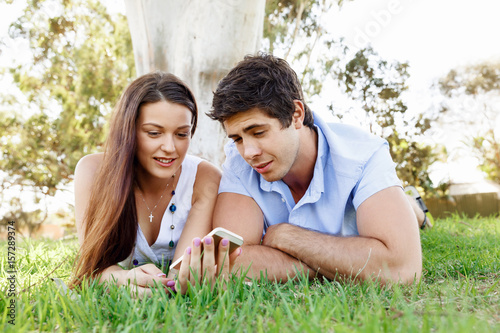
(270, 177)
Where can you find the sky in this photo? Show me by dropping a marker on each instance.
(434, 36)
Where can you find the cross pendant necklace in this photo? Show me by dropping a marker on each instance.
(152, 210)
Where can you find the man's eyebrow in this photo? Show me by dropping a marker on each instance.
(246, 129)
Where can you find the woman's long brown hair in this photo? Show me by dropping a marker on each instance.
(111, 220)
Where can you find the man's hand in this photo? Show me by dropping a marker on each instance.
(387, 248)
(275, 233)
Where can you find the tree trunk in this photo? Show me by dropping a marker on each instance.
(199, 41)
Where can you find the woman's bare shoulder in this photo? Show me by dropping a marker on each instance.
(207, 181)
(88, 165)
(207, 172)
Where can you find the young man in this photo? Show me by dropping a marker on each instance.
(326, 195)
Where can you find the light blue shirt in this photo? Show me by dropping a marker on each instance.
(351, 166)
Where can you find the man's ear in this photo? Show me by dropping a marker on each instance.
(298, 115)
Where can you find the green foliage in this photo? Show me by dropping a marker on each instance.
(480, 84)
(413, 160)
(296, 29)
(32, 220)
(475, 79)
(487, 149)
(81, 60)
(378, 86)
(459, 292)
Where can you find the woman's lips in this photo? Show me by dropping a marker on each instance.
(164, 162)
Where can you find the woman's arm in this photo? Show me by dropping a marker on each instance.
(140, 278)
(85, 173)
(199, 221)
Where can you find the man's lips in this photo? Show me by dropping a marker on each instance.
(262, 167)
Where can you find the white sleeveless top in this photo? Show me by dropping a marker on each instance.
(160, 252)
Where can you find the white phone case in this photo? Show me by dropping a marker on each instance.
(218, 234)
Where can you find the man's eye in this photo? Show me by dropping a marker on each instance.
(259, 133)
(238, 140)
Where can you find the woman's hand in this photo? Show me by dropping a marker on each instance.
(142, 278)
(196, 268)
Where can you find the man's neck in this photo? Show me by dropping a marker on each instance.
(300, 175)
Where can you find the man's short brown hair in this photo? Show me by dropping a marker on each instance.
(260, 81)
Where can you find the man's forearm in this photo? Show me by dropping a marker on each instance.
(274, 264)
(340, 257)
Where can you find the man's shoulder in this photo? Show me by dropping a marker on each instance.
(347, 133)
(350, 147)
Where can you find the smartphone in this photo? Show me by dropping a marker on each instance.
(218, 234)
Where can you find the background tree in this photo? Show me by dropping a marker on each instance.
(199, 41)
(28, 221)
(487, 149)
(80, 63)
(297, 30)
(378, 85)
(473, 96)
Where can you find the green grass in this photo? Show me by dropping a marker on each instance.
(459, 292)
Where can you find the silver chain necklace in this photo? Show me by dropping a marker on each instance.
(152, 210)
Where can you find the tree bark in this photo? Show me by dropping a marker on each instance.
(199, 41)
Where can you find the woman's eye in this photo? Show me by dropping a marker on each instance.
(183, 135)
(259, 133)
(153, 133)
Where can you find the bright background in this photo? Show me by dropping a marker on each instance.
(434, 36)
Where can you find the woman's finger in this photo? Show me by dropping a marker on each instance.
(195, 261)
(232, 258)
(223, 259)
(183, 276)
(146, 275)
(208, 260)
(151, 269)
(140, 292)
(157, 275)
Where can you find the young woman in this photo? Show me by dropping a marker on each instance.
(143, 201)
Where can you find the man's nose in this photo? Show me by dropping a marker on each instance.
(251, 150)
